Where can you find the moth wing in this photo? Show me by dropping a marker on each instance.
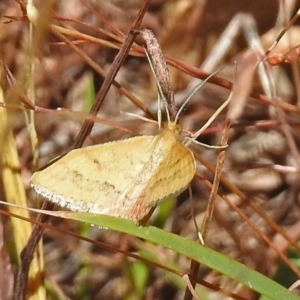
(169, 171)
(172, 176)
(97, 178)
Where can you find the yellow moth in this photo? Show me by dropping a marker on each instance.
(126, 178)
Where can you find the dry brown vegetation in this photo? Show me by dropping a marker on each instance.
(261, 171)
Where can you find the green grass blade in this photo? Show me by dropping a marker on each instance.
(208, 257)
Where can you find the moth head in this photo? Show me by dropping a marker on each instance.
(172, 126)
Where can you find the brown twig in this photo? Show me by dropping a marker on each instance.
(119, 60)
(194, 267)
(27, 253)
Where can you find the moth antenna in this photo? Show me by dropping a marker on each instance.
(195, 135)
(159, 118)
(197, 87)
(193, 140)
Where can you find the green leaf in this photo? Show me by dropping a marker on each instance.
(208, 257)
